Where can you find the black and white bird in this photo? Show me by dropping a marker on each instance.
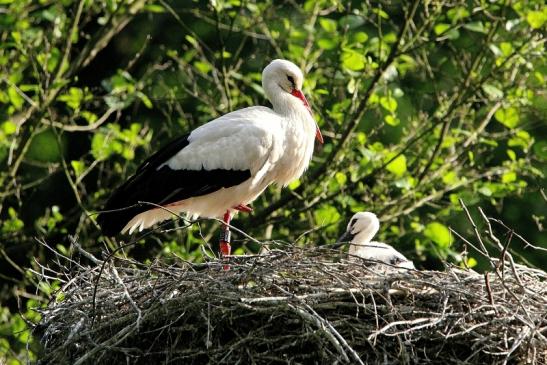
(224, 165)
(362, 228)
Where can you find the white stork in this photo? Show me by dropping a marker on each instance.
(362, 228)
(222, 166)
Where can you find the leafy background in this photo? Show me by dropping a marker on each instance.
(422, 104)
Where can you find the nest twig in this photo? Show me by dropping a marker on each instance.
(295, 305)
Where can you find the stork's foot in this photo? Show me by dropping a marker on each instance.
(243, 208)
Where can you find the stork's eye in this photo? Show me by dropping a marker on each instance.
(352, 223)
(291, 80)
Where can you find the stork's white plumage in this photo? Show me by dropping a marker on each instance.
(361, 229)
(222, 166)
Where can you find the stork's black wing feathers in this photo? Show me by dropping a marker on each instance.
(162, 186)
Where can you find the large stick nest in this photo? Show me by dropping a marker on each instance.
(295, 305)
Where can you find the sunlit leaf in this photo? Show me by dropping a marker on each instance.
(326, 43)
(388, 103)
(8, 127)
(509, 177)
(446, 30)
(15, 98)
(397, 166)
(326, 215)
(360, 37)
(457, 14)
(328, 25)
(341, 178)
(353, 61)
(294, 184)
(509, 117)
(536, 18)
(512, 155)
(438, 233)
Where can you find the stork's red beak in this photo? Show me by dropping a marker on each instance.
(297, 93)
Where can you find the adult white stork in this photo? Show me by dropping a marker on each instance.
(361, 229)
(222, 166)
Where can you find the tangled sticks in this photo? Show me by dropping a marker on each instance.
(295, 306)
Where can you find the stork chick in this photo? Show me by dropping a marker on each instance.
(361, 229)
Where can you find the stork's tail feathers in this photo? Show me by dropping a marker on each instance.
(112, 221)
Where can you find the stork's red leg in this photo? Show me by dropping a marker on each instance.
(225, 248)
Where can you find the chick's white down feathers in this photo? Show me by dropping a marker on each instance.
(362, 227)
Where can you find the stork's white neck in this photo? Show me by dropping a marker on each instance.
(283, 103)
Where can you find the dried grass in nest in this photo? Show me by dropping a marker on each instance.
(295, 305)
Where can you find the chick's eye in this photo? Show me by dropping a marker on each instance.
(291, 80)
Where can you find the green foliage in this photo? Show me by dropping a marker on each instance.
(421, 104)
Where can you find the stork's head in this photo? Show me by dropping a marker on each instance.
(284, 75)
(361, 228)
(282, 82)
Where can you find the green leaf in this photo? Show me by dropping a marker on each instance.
(493, 92)
(99, 148)
(326, 215)
(8, 127)
(45, 147)
(154, 8)
(536, 18)
(341, 178)
(203, 67)
(353, 61)
(450, 178)
(15, 98)
(457, 13)
(78, 167)
(381, 13)
(328, 25)
(192, 41)
(509, 117)
(145, 100)
(475, 27)
(438, 233)
(470, 262)
(13, 224)
(388, 103)
(506, 48)
(509, 177)
(446, 30)
(326, 43)
(392, 120)
(294, 184)
(512, 155)
(441, 28)
(485, 190)
(521, 139)
(397, 166)
(73, 98)
(360, 37)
